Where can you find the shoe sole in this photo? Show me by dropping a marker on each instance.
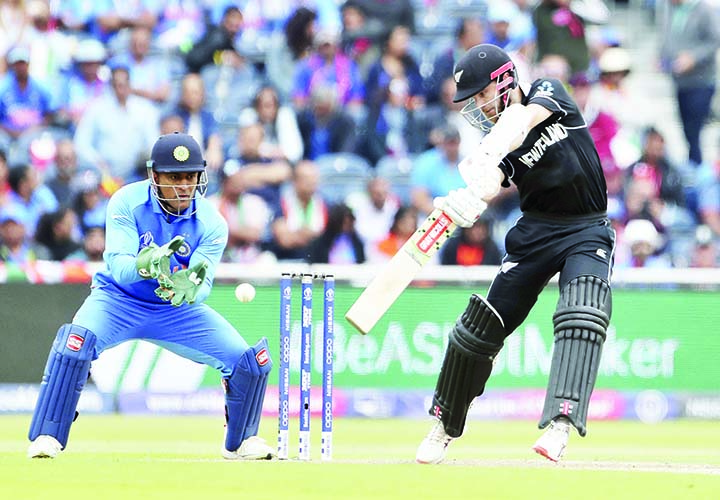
(542, 451)
(267, 456)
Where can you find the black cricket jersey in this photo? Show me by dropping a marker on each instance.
(557, 169)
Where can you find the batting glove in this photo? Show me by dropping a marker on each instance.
(463, 205)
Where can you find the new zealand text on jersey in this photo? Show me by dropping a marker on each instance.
(552, 134)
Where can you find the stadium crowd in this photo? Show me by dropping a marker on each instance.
(328, 126)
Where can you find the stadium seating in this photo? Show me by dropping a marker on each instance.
(342, 174)
(397, 171)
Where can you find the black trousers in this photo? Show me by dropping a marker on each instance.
(537, 247)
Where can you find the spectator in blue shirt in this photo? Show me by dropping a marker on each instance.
(24, 103)
(28, 197)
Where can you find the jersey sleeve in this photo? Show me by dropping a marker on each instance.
(551, 94)
(122, 240)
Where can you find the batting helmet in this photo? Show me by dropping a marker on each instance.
(481, 65)
(176, 152)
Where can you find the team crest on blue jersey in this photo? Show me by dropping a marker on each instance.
(184, 250)
(145, 239)
(545, 89)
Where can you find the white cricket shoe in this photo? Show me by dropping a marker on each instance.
(433, 447)
(44, 446)
(552, 443)
(253, 448)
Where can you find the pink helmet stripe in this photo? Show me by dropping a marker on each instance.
(502, 69)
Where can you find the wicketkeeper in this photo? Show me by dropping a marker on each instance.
(537, 138)
(164, 240)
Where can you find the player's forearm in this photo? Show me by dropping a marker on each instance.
(123, 268)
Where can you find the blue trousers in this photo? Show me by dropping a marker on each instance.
(694, 107)
(196, 332)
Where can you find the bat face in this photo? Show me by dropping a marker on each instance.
(397, 274)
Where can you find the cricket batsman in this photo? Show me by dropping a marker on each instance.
(537, 138)
(164, 240)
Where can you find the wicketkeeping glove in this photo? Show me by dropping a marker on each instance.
(184, 285)
(154, 261)
(463, 205)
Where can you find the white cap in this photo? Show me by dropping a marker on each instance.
(90, 50)
(614, 60)
(642, 230)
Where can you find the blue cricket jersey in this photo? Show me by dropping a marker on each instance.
(135, 219)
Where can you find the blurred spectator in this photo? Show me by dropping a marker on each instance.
(74, 17)
(13, 26)
(199, 121)
(705, 252)
(395, 62)
(29, 197)
(216, 40)
(324, 126)
(180, 24)
(654, 165)
(360, 36)
(553, 66)
(602, 126)
(4, 174)
(89, 200)
(642, 201)
(50, 47)
(263, 175)
(708, 196)
(666, 196)
(374, 211)
(470, 32)
(339, 243)
(302, 215)
(57, 233)
(640, 245)
(112, 17)
(117, 130)
(83, 83)
(149, 75)
(390, 13)
(328, 66)
(690, 41)
(64, 170)
(435, 171)
(282, 139)
(231, 84)
(610, 93)
(287, 50)
(93, 246)
(560, 29)
(171, 122)
(247, 215)
(403, 226)
(392, 127)
(16, 247)
(472, 246)
(500, 16)
(24, 103)
(447, 111)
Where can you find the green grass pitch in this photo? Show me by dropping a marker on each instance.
(132, 457)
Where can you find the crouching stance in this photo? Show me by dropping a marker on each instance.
(537, 139)
(163, 243)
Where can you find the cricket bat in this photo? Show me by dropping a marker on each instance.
(397, 274)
